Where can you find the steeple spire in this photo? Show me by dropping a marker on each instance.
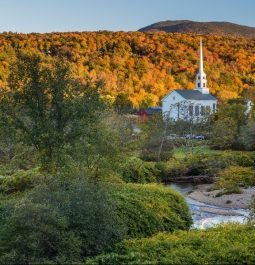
(201, 64)
(201, 82)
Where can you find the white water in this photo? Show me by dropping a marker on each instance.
(203, 218)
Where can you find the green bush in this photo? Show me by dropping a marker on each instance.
(192, 165)
(23, 158)
(204, 164)
(233, 178)
(68, 220)
(211, 164)
(148, 209)
(172, 169)
(232, 244)
(137, 171)
(243, 159)
(59, 223)
(153, 155)
(20, 181)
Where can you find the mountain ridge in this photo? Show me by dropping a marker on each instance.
(223, 28)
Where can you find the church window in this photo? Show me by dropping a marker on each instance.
(202, 110)
(214, 108)
(196, 110)
(208, 109)
(204, 85)
(173, 97)
(199, 78)
(191, 110)
(198, 84)
(204, 77)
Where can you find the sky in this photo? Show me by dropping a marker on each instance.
(128, 15)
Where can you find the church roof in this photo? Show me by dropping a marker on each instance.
(194, 95)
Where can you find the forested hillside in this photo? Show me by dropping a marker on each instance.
(144, 66)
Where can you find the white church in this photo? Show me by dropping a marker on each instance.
(181, 104)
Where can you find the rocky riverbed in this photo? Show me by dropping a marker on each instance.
(208, 209)
(204, 193)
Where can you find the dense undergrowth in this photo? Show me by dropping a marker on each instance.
(229, 170)
(229, 244)
(55, 219)
(47, 216)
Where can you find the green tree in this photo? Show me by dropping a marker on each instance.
(248, 135)
(154, 144)
(122, 104)
(226, 127)
(224, 134)
(48, 105)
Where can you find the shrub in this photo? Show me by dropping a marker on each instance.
(232, 244)
(192, 165)
(20, 181)
(62, 222)
(233, 178)
(66, 220)
(209, 164)
(150, 154)
(148, 209)
(171, 169)
(243, 159)
(22, 158)
(137, 171)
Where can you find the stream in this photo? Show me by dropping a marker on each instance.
(205, 215)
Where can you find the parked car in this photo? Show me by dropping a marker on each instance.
(200, 137)
(195, 136)
(190, 136)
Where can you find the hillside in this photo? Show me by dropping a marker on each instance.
(213, 28)
(144, 66)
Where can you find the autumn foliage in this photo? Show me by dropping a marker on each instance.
(144, 66)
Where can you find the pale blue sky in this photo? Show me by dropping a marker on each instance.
(127, 15)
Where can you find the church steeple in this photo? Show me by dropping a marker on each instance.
(201, 63)
(201, 82)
